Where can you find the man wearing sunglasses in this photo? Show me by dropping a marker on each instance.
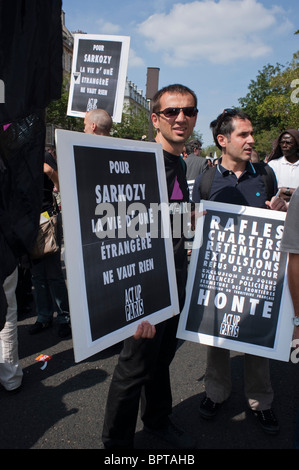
(236, 181)
(142, 371)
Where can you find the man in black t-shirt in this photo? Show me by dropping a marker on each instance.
(142, 371)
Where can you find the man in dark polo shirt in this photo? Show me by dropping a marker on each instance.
(235, 180)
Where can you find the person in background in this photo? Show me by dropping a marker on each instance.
(211, 161)
(284, 160)
(290, 244)
(52, 151)
(50, 292)
(184, 154)
(195, 163)
(11, 373)
(22, 138)
(254, 157)
(98, 121)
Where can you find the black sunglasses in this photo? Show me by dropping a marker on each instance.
(227, 112)
(189, 111)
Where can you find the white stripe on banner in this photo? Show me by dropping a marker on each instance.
(1, 353)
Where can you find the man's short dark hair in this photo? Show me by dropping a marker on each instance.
(192, 145)
(176, 88)
(224, 124)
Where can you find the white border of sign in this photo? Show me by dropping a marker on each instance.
(281, 349)
(65, 141)
(121, 83)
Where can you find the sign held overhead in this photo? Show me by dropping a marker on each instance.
(99, 73)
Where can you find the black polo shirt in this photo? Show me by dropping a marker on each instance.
(247, 190)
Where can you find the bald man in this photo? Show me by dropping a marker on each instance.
(98, 121)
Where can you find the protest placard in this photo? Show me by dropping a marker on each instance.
(237, 290)
(120, 269)
(98, 77)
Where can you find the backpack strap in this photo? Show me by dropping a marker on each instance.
(269, 178)
(206, 182)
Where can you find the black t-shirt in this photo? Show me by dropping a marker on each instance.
(178, 193)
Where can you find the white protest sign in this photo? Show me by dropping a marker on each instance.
(237, 289)
(120, 266)
(99, 73)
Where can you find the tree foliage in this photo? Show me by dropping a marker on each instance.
(133, 125)
(57, 112)
(271, 102)
(259, 90)
(281, 105)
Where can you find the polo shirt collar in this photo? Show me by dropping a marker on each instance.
(286, 162)
(249, 168)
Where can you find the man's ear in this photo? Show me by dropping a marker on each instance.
(222, 140)
(155, 120)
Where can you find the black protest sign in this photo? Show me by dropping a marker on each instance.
(238, 282)
(120, 268)
(98, 74)
(124, 278)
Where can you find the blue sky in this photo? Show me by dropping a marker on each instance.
(216, 47)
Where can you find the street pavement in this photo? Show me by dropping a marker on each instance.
(62, 406)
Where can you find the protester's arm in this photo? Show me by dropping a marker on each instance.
(195, 214)
(52, 174)
(145, 330)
